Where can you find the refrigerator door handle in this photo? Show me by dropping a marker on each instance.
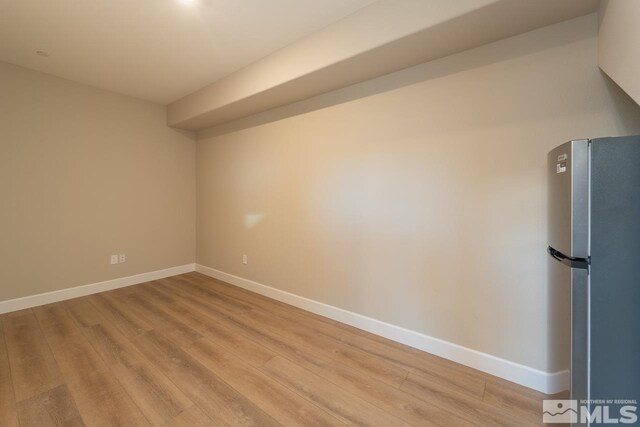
(572, 262)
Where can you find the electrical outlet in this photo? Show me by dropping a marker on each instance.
(123, 258)
(114, 259)
(244, 259)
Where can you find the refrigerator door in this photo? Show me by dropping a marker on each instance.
(568, 179)
(615, 269)
(580, 335)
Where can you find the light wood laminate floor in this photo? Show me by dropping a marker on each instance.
(190, 350)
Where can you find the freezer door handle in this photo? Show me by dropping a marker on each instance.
(572, 262)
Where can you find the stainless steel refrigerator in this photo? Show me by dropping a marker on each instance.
(594, 236)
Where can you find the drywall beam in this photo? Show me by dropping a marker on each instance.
(619, 44)
(382, 38)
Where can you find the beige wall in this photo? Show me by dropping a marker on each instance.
(84, 174)
(619, 43)
(418, 198)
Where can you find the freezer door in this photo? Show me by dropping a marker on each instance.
(568, 210)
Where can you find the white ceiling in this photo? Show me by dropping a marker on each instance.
(159, 50)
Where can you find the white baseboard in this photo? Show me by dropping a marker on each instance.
(80, 291)
(544, 382)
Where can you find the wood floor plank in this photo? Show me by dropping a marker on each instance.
(251, 300)
(191, 417)
(180, 292)
(279, 345)
(255, 301)
(156, 396)
(83, 312)
(222, 403)
(396, 361)
(112, 407)
(33, 368)
(99, 396)
(269, 305)
(70, 348)
(123, 291)
(248, 350)
(243, 347)
(471, 409)
(251, 330)
(206, 292)
(515, 399)
(392, 400)
(171, 327)
(461, 378)
(283, 404)
(347, 407)
(241, 294)
(194, 319)
(348, 329)
(53, 407)
(8, 408)
(5, 372)
(333, 349)
(130, 323)
(383, 362)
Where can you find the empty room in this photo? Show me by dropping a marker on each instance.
(319, 212)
